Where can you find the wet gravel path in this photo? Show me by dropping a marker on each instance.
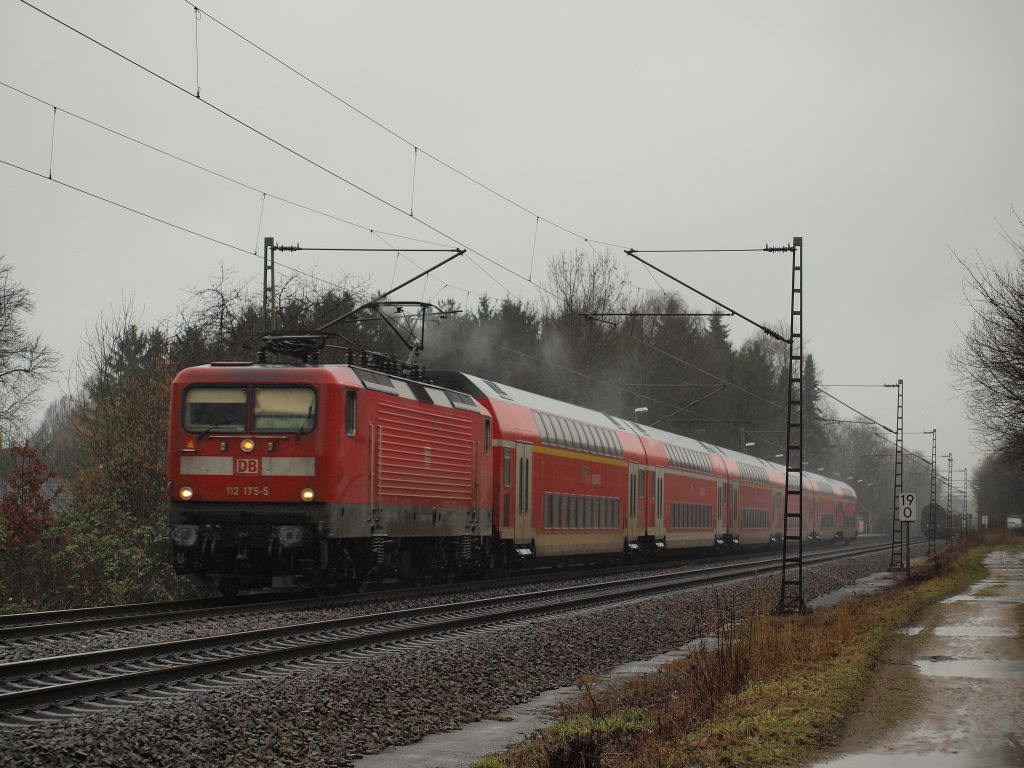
(331, 715)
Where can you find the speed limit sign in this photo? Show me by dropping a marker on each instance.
(907, 508)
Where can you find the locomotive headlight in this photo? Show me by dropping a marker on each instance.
(185, 535)
(185, 493)
(290, 535)
(307, 494)
(247, 445)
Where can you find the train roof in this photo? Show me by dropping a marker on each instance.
(491, 390)
(341, 373)
(460, 389)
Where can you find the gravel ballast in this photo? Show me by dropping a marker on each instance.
(329, 715)
(228, 622)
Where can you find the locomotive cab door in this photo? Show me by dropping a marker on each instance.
(524, 493)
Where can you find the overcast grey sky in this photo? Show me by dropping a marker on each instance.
(887, 134)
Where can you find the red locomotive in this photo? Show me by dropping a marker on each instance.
(328, 475)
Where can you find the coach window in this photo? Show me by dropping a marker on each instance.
(350, 413)
(508, 468)
(216, 408)
(576, 432)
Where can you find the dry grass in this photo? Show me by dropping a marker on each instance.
(768, 690)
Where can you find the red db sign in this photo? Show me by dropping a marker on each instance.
(247, 466)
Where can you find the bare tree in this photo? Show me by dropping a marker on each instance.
(989, 363)
(25, 361)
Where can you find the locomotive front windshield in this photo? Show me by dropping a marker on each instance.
(284, 409)
(221, 408)
(232, 409)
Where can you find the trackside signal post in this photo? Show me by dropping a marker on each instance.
(906, 513)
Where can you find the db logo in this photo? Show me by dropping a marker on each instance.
(247, 466)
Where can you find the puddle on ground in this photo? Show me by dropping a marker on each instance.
(943, 666)
(866, 585)
(919, 760)
(974, 630)
(911, 631)
(982, 599)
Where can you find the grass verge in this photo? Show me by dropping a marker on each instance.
(769, 691)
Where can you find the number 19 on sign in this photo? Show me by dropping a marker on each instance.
(908, 508)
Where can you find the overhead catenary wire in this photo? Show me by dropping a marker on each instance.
(859, 413)
(160, 220)
(239, 121)
(294, 152)
(263, 194)
(632, 252)
(390, 131)
(206, 169)
(240, 249)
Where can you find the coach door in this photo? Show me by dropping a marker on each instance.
(524, 493)
(722, 518)
(659, 503)
(737, 519)
(633, 528)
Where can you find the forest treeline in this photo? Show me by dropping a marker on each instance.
(84, 513)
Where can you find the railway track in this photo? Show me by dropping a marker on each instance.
(53, 624)
(53, 688)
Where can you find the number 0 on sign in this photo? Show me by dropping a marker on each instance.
(908, 508)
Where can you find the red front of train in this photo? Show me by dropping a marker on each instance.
(323, 476)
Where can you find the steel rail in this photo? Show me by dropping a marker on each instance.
(37, 682)
(52, 624)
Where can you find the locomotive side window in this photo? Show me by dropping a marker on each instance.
(350, 414)
(508, 468)
(216, 408)
(487, 435)
(284, 409)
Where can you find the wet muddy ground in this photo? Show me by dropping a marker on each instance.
(952, 694)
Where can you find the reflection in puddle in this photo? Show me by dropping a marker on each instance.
(902, 760)
(942, 666)
(968, 630)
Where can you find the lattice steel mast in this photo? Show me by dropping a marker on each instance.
(949, 499)
(931, 506)
(791, 599)
(896, 557)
